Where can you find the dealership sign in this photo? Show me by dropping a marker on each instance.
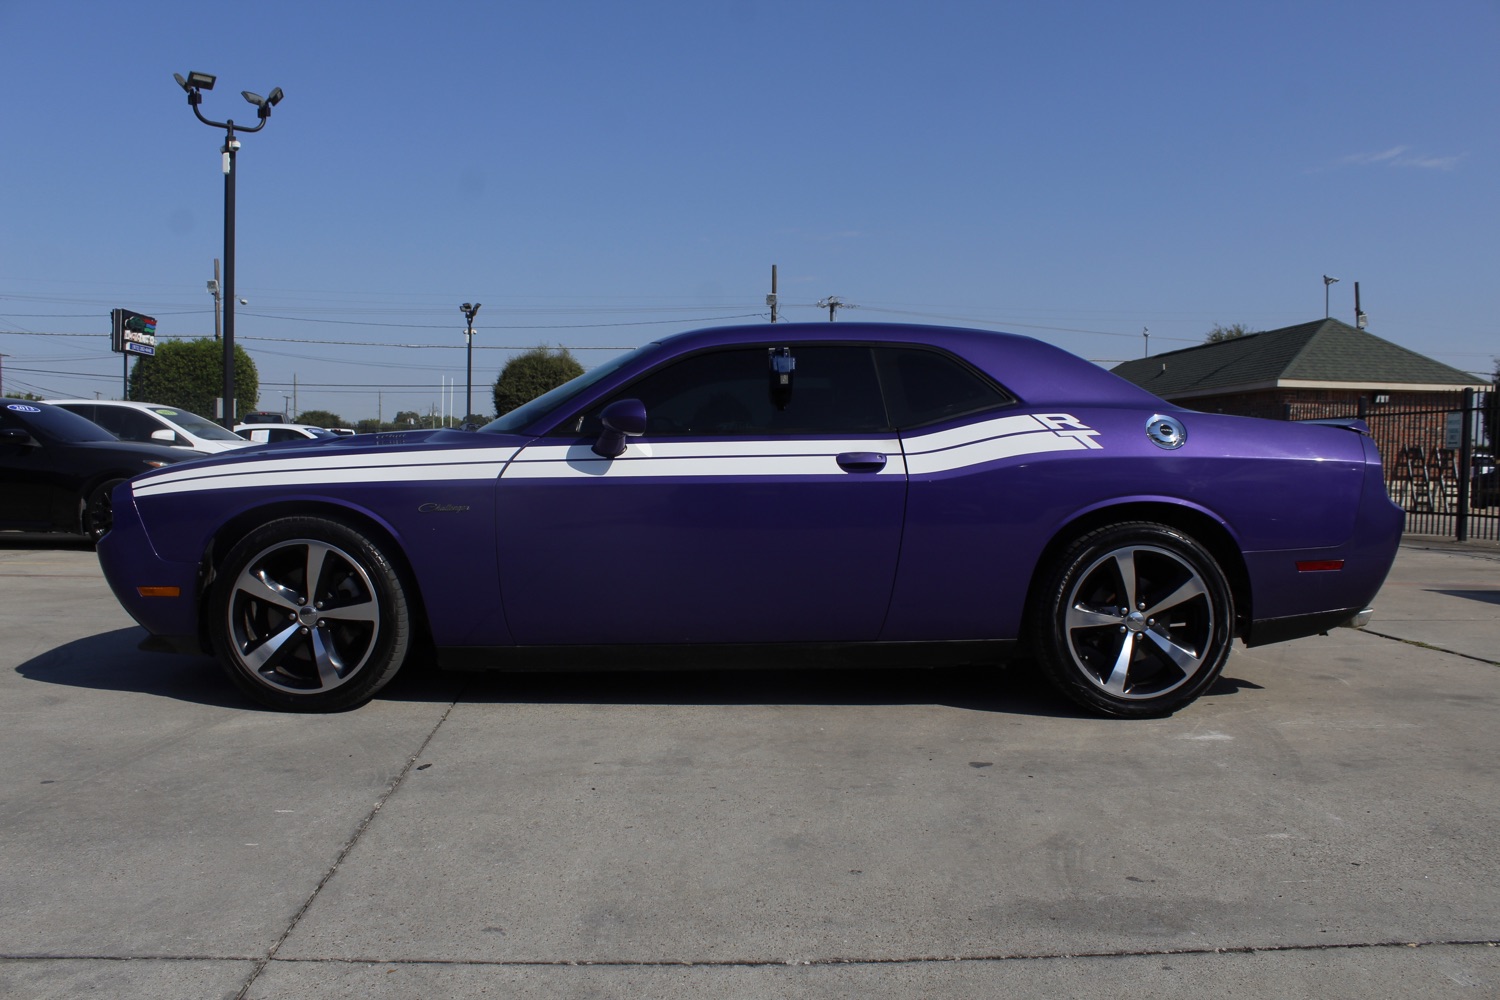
(132, 332)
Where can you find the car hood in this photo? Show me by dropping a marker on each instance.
(141, 450)
(347, 449)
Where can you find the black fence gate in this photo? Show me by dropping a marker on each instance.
(1438, 465)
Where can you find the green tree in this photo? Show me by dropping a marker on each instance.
(320, 418)
(1220, 333)
(529, 374)
(369, 425)
(190, 374)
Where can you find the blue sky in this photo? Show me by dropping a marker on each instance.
(599, 174)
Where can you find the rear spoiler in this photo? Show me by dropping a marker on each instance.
(1348, 423)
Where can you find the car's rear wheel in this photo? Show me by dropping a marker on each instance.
(308, 614)
(1134, 620)
(99, 509)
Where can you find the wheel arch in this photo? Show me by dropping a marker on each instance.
(232, 531)
(1207, 530)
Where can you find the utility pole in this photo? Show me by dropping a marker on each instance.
(833, 303)
(469, 311)
(1146, 332)
(217, 291)
(771, 299)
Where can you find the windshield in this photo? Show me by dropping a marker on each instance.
(195, 424)
(53, 422)
(527, 413)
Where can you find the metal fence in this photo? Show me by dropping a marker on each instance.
(1438, 465)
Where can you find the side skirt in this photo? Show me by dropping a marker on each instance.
(854, 655)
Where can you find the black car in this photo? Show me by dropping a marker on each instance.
(57, 469)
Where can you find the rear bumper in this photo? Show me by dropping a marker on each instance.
(1265, 631)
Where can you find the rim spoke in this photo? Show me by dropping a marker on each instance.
(1115, 685)
(1081, 616)
(327, 659)
(365, 612)
(1190, 589)
(259, 658)
(256, 587)
(1187, 661)
(317, 557)
(1125, 567)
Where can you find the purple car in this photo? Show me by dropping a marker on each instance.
(849, 494)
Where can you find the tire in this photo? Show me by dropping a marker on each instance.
(320, 647)
(98, 512)
(1134, 621)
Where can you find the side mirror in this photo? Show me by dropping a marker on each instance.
(15, 437)
(624, 418)
(165, 436)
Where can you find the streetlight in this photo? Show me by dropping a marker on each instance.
(469, 311)
(195, 84)
(1326, 282)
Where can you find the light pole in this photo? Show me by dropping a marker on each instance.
(195, 84)
(469, 311)
(1326, 282)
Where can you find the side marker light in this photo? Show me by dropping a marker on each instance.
(159, 591)
(1320, 566)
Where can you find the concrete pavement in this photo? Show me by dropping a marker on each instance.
(1322, 823)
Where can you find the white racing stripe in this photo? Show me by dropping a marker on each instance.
(701, 459)
(394, 467)
(992, 440)
(924, 454)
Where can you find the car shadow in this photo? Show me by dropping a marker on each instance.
(1486, 596)
(111, 661)
(39, 540)
(1011, 690)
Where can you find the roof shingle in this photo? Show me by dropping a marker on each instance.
(1326, 350)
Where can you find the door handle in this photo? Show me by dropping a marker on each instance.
(861, 461)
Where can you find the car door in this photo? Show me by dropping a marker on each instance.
(30, 487)
(979, 495)
(754, 508)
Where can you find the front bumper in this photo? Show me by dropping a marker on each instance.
(134, 569)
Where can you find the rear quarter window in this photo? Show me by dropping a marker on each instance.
(924, 386)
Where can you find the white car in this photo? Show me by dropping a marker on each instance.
(271, 433)
(154, 424)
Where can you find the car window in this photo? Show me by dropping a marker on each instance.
(198, 425)
(53, 422)
(831, 390)
(924, 386)
(517, 419)
(128, 424)
(282, 434)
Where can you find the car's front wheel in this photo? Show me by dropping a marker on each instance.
(1134, 620)
(98, 512)
(308, 614)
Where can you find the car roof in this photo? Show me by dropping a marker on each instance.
(131, 403)
(1037, 372)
